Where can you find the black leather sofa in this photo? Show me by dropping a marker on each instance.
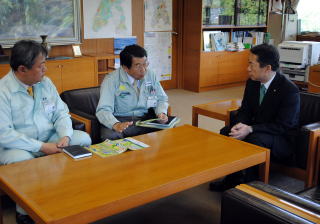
(82, 104)
(269, 204)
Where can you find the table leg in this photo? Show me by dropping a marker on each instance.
(264, 169)
(194, 117)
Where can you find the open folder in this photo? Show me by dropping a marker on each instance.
(155, 123)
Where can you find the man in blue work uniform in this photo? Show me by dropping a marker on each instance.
(34, 120)
(130, 93)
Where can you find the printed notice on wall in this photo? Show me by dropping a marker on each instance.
(158, 15)
(159, 49)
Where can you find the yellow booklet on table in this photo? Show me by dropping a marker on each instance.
(115, 147)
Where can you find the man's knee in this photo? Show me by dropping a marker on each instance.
(8, 156)
(80, 138)
(260, 139)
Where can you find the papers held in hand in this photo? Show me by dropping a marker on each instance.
(155, 123)
(76, 151)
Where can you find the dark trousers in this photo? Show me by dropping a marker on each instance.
(133, 130)
(279, 151)
(278, 145)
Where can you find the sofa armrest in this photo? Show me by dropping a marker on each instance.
(86, 122)
(292, 198)
(78, 125)
(240, 207)
(312, 127)
(92, 125)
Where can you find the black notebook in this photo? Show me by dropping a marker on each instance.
(76, 151)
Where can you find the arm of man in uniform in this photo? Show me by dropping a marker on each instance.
(162, 103)
(61, 117)
(105, 107)
(12, 139)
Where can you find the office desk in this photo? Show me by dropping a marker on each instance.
(57, 189)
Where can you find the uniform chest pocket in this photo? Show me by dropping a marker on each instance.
(20, 113)
(123, 101)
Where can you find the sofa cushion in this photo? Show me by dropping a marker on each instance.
(85, 100)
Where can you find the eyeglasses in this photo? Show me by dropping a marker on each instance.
(140, 66)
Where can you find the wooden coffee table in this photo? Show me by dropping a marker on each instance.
(57, 189)
(218, 110)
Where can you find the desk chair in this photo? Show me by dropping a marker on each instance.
(304, 168)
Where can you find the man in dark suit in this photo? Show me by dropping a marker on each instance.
(269, 110)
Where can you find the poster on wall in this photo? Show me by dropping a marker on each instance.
(107, 18)
(158, 15)
(159, 49)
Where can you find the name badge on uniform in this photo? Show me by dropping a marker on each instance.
(49, 107)
(151, 102)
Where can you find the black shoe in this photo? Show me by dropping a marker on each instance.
(228, 182)
(23, 219)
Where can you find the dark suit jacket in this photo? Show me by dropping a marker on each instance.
(279, 110)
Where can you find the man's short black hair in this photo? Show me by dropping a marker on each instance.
(267, 55)
(24, 52)
(129, 52)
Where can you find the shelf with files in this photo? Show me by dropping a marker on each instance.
(204, 69)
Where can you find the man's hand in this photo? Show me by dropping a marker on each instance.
(240, 131)
(121, 126)
(50, 148)
(163, 118)
(64, 141)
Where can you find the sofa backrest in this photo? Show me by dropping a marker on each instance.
(85, 99)
(309, 108)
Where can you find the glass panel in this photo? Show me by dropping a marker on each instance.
(308, 14)
(248, 12)
(26, 19)
(218, 12)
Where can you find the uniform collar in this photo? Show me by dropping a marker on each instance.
(15, 84)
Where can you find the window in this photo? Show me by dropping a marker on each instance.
(308, 13)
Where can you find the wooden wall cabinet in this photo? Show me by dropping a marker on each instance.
(314, 79)
(204, 71)
(4, 69)
(68, 73)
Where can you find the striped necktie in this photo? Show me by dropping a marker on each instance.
(30, 91)
(262, 93)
